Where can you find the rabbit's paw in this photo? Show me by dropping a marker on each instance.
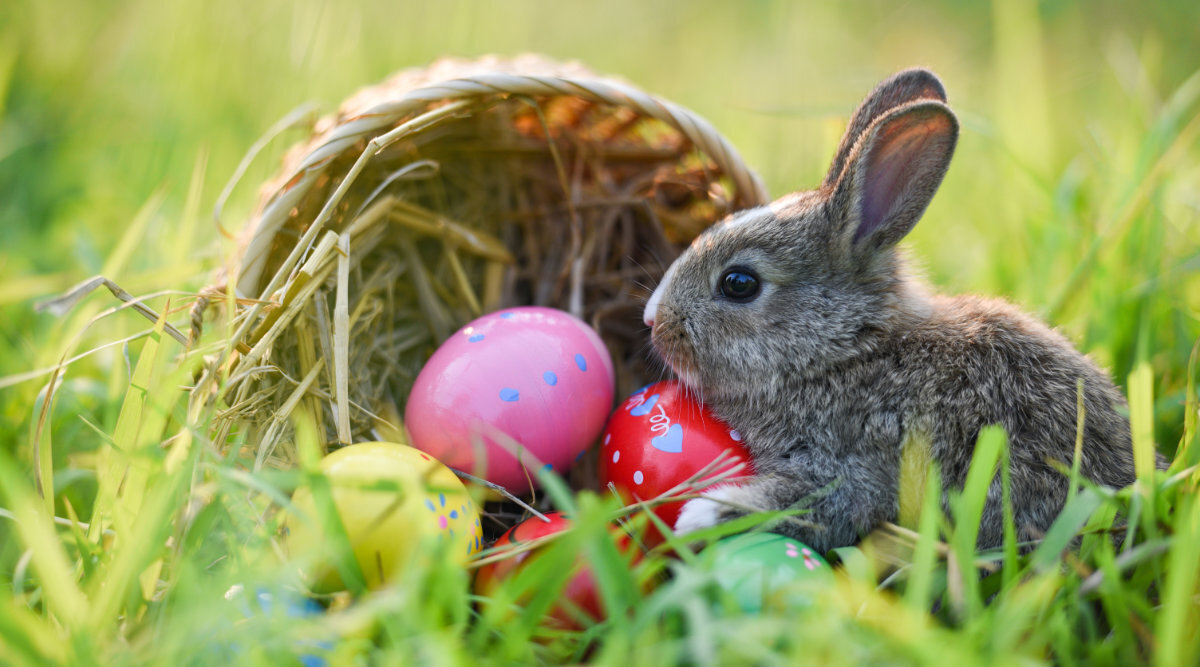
(700, 513)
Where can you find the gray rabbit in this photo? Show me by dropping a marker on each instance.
(800, 326)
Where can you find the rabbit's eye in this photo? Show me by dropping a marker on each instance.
(739, 285)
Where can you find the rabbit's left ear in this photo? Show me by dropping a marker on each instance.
(891, 174)
(906, 87)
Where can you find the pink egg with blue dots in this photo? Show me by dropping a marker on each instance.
(511, 392)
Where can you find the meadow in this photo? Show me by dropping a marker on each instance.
(1074, 192)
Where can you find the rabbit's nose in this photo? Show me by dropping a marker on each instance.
(651, 311)
(651, 308)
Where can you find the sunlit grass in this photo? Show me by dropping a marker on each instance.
(1074, 192)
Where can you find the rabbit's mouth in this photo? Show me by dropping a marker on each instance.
(672, 346)
(688, 378)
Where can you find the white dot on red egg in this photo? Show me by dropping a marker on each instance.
(638, 477)
(607, 438)
(737, 437)
(616, 456)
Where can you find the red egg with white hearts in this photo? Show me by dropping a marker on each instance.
(580, 590)
(659, 438)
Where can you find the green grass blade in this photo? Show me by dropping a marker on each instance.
(124, 475)
(1010, 571)
(118, 585)
(1141, 422)
(36, 531)
(968, 515)
(918, 594)
(43, 446)
(1058, 539)
(1178, 643)
(1077, 456)
(26, 638)
(915, 457)
(1191, 412)
(610, 569)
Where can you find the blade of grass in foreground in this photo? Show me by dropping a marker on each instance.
(968, 516)
(1191, 412)
(919, 592)
(1064, 529)
(1177, 640)
(123, 475)
(43, 446)
(1141, 422)
(148, 496)
(26, 638)
(62, 596)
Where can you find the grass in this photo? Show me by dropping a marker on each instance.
(1073, 192)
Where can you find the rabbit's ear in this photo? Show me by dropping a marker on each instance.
(902, 88)
(892, 173)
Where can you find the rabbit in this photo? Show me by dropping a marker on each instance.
(800, 326)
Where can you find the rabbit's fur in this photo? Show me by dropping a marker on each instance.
(841, 355)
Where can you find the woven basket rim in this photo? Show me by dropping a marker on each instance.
(494, 83)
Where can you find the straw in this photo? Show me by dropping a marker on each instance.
(441, 194)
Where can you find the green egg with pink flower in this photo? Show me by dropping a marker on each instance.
(761, 570)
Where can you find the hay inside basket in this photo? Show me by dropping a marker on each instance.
(442, 194)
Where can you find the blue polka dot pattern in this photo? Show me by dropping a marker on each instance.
(429, 504)
(475, 339)
(581, 362)
(442, 499)
(550, 378)
(453, 514)
(507, 316)
(509, 395)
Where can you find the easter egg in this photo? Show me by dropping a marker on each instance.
(661, 437)
(761, 569)
(510, 392)
(308, 650)
(395, 502)
(580, 590)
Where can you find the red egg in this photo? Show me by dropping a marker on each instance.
(658, 439)
(580, 590)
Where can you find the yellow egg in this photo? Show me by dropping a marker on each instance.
(396, 503)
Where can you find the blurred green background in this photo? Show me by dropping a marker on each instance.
(1074, 190)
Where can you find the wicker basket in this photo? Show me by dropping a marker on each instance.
(443, 193)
